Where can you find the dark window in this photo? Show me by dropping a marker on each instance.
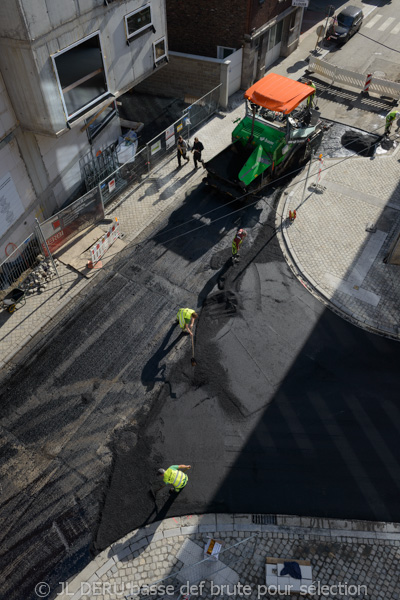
(271, 38)
(279, 32)
(223, 52)
(81, 75)
(138, 21)
(345, 20)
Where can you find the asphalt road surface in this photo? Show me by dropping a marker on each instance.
(289, 410)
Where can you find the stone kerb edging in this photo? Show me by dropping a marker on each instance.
(212, 523)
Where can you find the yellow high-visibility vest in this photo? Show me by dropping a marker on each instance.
(184, 315)
(176, 478)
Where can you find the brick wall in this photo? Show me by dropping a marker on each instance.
(262, 13)
(182, 77)
(199, 26)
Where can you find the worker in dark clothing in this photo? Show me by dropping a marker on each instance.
(181, 150)
(197, 149)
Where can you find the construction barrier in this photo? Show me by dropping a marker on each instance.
(367, 83)
(337, 75)
(98, 250)
(321, 164)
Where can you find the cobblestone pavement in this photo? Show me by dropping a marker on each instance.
(328, 244)
(349, 559)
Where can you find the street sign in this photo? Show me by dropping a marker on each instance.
(302, 3)
(320, 30)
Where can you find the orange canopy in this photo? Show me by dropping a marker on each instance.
(278, 93)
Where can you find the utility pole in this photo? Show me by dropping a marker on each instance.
(306, 181)
(330, 11)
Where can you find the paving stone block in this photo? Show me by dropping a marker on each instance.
(105, 567)
(139, 544)
(189, 530)
(172, 532)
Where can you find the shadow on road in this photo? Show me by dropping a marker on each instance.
(154, 371)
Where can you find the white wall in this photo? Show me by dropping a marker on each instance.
(54, 25)
(235, 71)
(17, 197)
(8, 120)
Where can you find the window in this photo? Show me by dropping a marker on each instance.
(160, 50)
(223, 51)
(292, 21)
(81, 76)
(271, 39)
(96, 124)
(138, 21)
(279, 27)
(275, 36)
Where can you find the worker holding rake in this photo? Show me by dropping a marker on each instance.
(186, 318)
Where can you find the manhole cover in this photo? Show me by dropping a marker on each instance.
(380, 74)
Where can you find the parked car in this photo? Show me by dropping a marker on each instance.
(345, 24)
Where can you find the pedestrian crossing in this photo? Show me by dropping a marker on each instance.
(380, 23)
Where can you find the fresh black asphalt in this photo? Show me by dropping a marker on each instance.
(290, 409)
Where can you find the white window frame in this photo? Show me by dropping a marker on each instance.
(96, 101)
(103, 123)
(156, 60)
(135, 33)
(220, 51)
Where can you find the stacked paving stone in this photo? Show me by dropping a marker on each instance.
(40, 276)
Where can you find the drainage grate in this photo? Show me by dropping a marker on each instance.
(264, 519)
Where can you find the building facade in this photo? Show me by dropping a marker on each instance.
(63, 64)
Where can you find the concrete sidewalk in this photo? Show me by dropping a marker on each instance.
(349, 559)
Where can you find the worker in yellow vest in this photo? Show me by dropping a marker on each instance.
(311, 99)
(236, 243)
(390, 117)
(175, 477)
(186, 318)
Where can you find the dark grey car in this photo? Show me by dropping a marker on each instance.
(345, 24)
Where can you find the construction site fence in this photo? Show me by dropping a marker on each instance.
(156, 150)
(338, 75)
(14, 268)
(89, 208)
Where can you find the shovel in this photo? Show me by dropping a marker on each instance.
(193, 360)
